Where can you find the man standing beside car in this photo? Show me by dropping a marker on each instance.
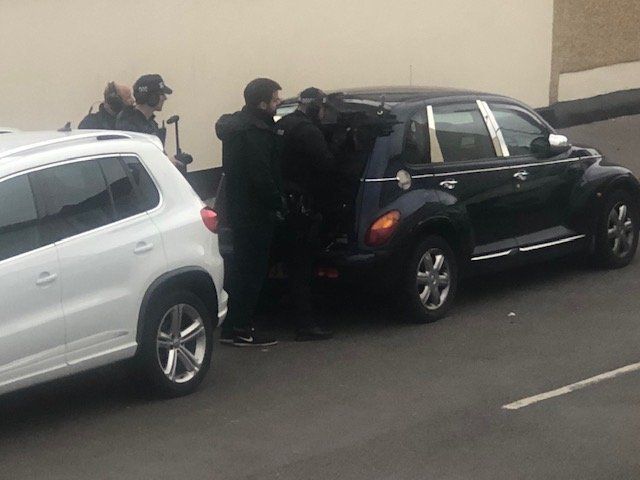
(306, 161)
(150, 93)
(116, 97)
(254, 201)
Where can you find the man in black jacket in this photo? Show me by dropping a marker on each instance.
(150, 93)
(306, 162)
(254, 203)
(116, 97)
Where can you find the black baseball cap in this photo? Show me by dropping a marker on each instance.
(312, 95)
(151, 83)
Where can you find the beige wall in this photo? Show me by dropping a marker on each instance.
(589, 36)
(57, 55)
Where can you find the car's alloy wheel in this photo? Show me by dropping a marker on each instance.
(617, 231)
(433, 278)
(620, 230)
(429, 280)
(181, 343)
(175, 345)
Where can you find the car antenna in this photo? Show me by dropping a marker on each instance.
(66, 128)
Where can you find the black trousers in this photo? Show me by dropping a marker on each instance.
(247, 273)
(302, 243)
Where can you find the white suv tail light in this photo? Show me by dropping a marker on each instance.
(210, 219)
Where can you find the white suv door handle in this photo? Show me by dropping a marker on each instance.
(143, 247)
(449, 184)
(45, 278)
(521, 175)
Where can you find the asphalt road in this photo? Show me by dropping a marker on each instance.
(384, 399)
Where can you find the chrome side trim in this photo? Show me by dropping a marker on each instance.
(551, 244)
(492, 169)
(436, 152)
(379, 180)
(497, 147)
(498, 129)
(510, 167)
(493, 255)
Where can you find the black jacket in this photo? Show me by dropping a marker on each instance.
(306, 158)
(101, 120)
(250, 160)
(131, 119)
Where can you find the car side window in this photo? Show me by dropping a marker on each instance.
(518, 128)
(416, 140)
(149, 196)
(126, 200)
(74, 199)
(19, 230)
(462, 133)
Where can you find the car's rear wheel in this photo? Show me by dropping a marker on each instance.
(429, 280)
(176, 345)
(617, 231)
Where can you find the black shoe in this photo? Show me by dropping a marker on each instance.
(251, 338)
(312, 334)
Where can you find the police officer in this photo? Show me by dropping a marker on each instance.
(116, 97)
(150, 93)
(254, 204)
(306, 161)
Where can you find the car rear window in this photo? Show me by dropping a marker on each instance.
(19, 232)
(128, 198)
(416, 151)
(147, 191)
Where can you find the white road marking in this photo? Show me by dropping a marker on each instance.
(525, 402)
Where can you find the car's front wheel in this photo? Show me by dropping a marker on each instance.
(617, 231)
(176, 344)
(429, 280)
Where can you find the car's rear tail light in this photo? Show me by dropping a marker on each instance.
(328, 272)
(382, 229)
(210, 219)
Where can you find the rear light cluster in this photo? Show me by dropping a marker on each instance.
(382, 229)
(327, 272)
(210, 219)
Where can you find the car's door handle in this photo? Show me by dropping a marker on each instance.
(143, 247)
(521, 175)
(45, 278)
(449, 184)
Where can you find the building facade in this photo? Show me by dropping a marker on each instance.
(59, 55)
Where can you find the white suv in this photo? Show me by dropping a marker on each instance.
(106, 253)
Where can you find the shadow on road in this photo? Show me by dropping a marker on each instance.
(353, 312)
(102, 390)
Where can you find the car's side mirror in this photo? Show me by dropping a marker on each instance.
(549, 146)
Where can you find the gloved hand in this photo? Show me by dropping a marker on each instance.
(184, 158)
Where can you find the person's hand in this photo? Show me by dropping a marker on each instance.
(177, 163)
(184, 158)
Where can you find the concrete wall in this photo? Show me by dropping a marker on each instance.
(596, 48)
(58, 55)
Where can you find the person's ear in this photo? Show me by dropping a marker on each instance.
(263, 105)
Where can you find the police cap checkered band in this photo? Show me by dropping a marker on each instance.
(312, 95)
(151, 83)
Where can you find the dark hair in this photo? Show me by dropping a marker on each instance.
(260, 90)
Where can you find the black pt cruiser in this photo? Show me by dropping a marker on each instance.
(437, 183)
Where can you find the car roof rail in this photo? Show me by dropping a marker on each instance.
(112, 136)
(65, 139)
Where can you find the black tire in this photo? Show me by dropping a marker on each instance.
(613, 246)
(151, 355)
(416, 308)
